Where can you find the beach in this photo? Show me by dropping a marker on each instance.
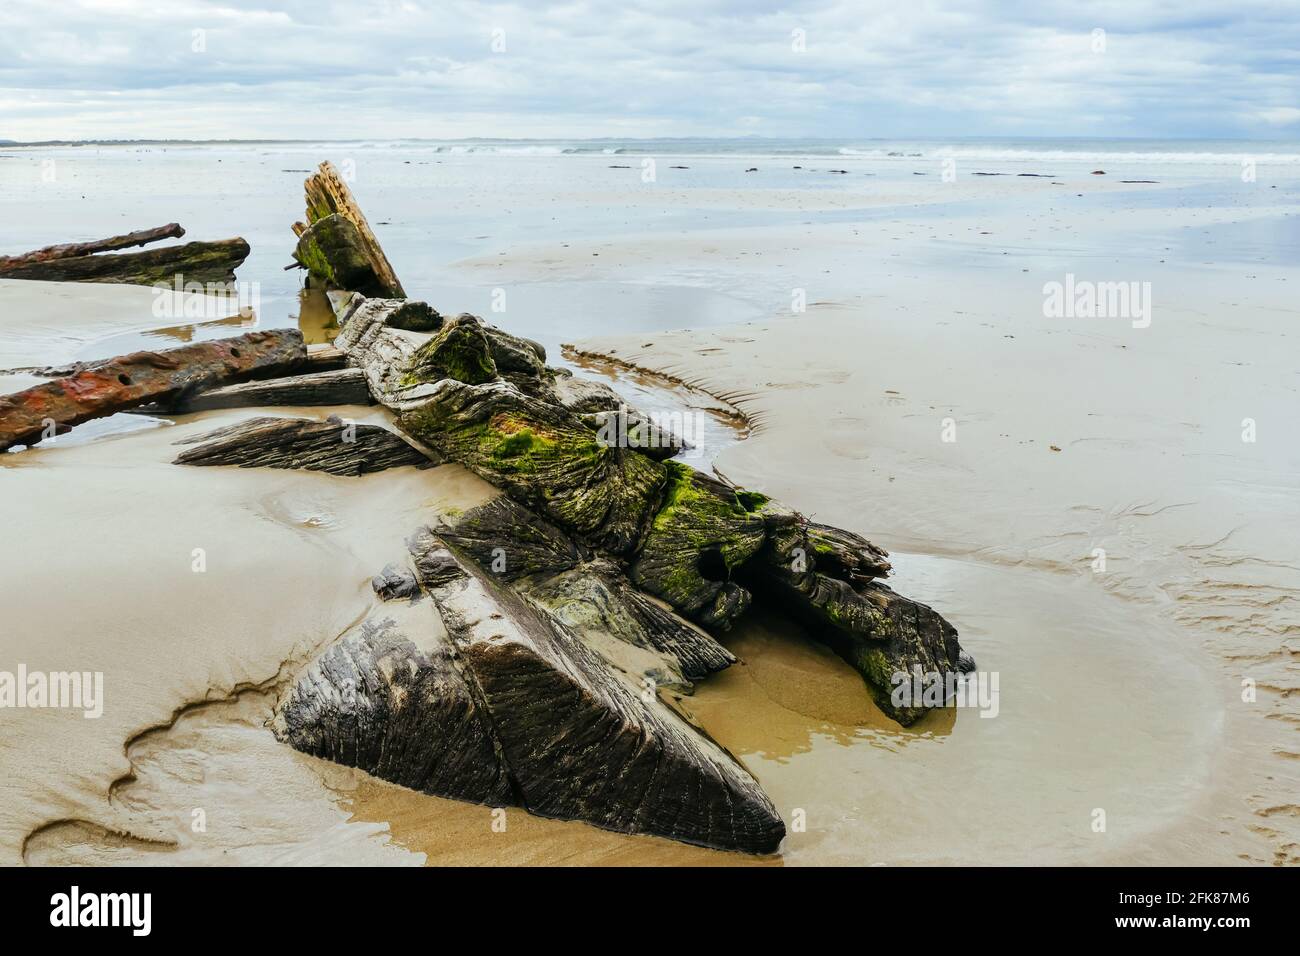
(1103, 505)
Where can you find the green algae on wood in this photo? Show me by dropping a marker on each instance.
(701, 534)
(331, 249)
(202, 263)
(701, 546)
(328, 194)
(459, 351)
(544, 456)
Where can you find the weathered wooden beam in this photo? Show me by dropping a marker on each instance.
(67, 250)
(325, 358)
(117, 384)
(697, 544)
(333, 251)
(341, 387)
(343, 252)
(506, 705)
(332, 446)
(194, 262)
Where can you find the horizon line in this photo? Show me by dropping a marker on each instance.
(148, 140)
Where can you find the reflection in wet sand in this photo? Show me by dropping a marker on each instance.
(787, 691)
(315, 317)
(315, 320)
(185, 333)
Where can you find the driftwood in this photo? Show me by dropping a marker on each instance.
(598, 577)
(140, 237)
(194, 262)
(511, 707)
(638, 634)
(345, 386)
(700, 546)
(333, 446)
(336, 244)
(127, 381)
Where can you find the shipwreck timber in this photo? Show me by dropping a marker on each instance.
(202, 263)
(128, 381)
(701, 547)
(523, 648)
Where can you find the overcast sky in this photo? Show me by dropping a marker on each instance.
(621, 68)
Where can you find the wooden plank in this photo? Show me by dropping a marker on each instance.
(340, 387)
(202, 262)
(67, 250)
(127, 381)
(330, 446)
(327, 194)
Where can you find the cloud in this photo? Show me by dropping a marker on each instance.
(398, 68)
(1280, 116)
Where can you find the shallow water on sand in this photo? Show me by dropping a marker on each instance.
(853, 786)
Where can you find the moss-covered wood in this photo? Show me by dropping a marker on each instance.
(193, 262)
(331, 249)
(701, 546)
(543, 456)
(566, 600)
(700, 536)
(327, 195)
(459, 350)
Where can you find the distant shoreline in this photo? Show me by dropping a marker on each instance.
(1033, 154)
(736, 140)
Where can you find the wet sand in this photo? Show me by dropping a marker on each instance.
(289, 556)
(105, 580)
(54, 325)
(1119, 691)
(1070, 436)
(957, 788)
